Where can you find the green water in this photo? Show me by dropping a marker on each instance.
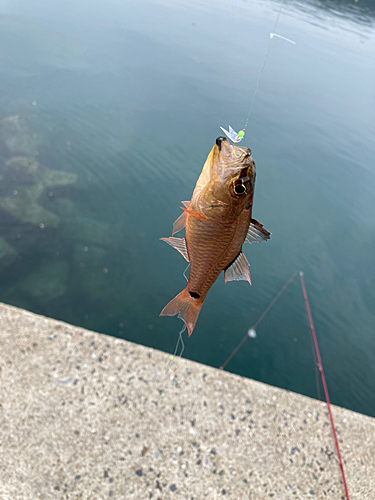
(108, 111)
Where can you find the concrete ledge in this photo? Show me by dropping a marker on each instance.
(87, 416)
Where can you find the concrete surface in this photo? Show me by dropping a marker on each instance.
(87, 416)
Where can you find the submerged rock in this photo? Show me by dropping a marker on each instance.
(22, 201)
(20, 169)
(84, 229)
(48, 283)
(17, 137)
(24, 206)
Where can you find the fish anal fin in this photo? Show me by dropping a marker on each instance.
(186, 307)
(257, 232)
(179, 244)
(179, 223)
(239, 270)
(185, 203)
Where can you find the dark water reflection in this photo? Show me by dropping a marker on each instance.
(360, 11)
(108, 111)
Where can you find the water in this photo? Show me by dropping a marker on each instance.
(114, 107)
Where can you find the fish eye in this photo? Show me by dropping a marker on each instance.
(239, 187)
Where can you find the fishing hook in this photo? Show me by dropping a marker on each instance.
(234, 151)
(170, 364)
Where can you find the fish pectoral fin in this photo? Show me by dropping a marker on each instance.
(179, 244)
(257, 232)
(239, 270)
(179, 223)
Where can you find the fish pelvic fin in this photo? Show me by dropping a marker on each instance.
(186, 306)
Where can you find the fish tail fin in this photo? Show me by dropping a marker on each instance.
(186, 306)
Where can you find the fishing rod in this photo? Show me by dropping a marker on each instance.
(317, 360)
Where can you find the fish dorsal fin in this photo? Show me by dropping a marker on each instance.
(179, 223)
(179, 244)
(257, 232)
(185, 203)
(239, 270)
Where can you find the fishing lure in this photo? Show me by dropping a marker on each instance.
(234, 137)
(232, 134)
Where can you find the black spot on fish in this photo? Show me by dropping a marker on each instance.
(195, 295)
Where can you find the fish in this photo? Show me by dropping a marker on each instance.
(217, 222)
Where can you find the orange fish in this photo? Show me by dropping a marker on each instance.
(217, 222)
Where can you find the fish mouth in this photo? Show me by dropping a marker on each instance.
(226, 151)
(230, 160)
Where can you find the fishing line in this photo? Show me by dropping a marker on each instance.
(172, 367)
(184, 273)
(232, 134)
(264, 63)
(272, 303)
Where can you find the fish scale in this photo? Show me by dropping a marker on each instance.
(213, 248)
